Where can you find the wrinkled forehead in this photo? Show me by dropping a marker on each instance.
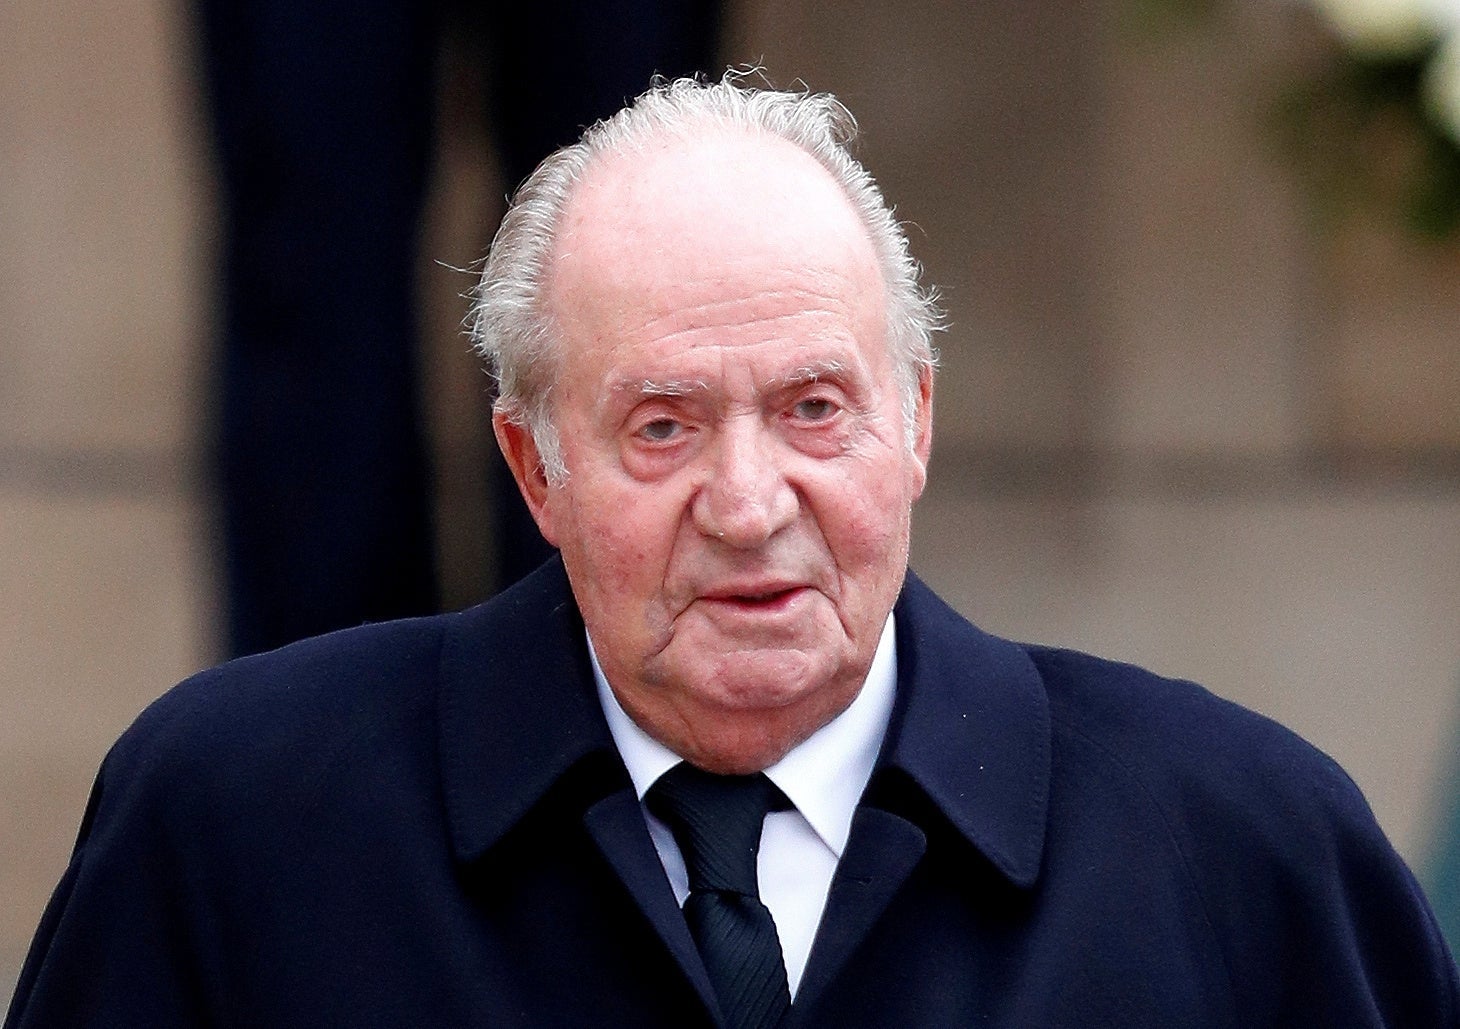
(648, 225)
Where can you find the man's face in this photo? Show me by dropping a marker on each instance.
(736, 514)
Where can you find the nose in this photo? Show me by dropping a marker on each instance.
(746, 498)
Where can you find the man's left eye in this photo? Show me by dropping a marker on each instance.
(815, 409)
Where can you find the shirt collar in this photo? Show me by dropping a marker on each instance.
(823, 776)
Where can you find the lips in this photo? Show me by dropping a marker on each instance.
(754, 596)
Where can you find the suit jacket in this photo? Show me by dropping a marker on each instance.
(425, 823)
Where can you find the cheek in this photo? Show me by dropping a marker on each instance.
(622, 538)
(866, 527)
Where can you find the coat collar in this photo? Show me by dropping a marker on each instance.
(972, 729)
(518, 712)
(517, 709)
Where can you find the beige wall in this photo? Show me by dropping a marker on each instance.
(1173, 425)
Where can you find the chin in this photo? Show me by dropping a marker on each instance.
(756, 724)
(765, 680)
(741, 711)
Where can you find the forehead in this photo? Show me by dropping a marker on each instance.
(683, 239)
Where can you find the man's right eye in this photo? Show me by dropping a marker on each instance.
(660, 430)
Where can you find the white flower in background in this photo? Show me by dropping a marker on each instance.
(1400, 28)
(1387, 28)
(1446, 14)
(1442, 86)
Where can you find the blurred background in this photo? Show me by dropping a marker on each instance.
(1199, 405)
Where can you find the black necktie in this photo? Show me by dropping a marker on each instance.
(716, 820)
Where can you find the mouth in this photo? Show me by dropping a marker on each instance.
(756, 598)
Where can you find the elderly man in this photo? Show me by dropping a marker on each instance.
(726, 762)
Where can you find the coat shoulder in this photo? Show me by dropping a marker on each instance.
(1174, 733)
(296, 729)
(1291, 867)
(323, 684)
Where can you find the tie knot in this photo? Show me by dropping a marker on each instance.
(716, 820)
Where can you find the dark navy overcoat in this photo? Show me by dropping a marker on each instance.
(425, 824)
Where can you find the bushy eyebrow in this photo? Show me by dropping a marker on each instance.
(807, 374)
(800, 376)
(657, 388)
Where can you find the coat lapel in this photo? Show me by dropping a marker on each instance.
(516, 708)
(971, 733)
(617, 825)
(518, 716)
(882, 851)
(972, 729)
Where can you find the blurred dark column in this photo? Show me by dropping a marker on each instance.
(322, 113)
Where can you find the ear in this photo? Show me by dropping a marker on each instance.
(522, 456)
(923, 426)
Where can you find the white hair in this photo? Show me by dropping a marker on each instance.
(510, 328)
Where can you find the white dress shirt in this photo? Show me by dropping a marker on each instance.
(823, 777)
